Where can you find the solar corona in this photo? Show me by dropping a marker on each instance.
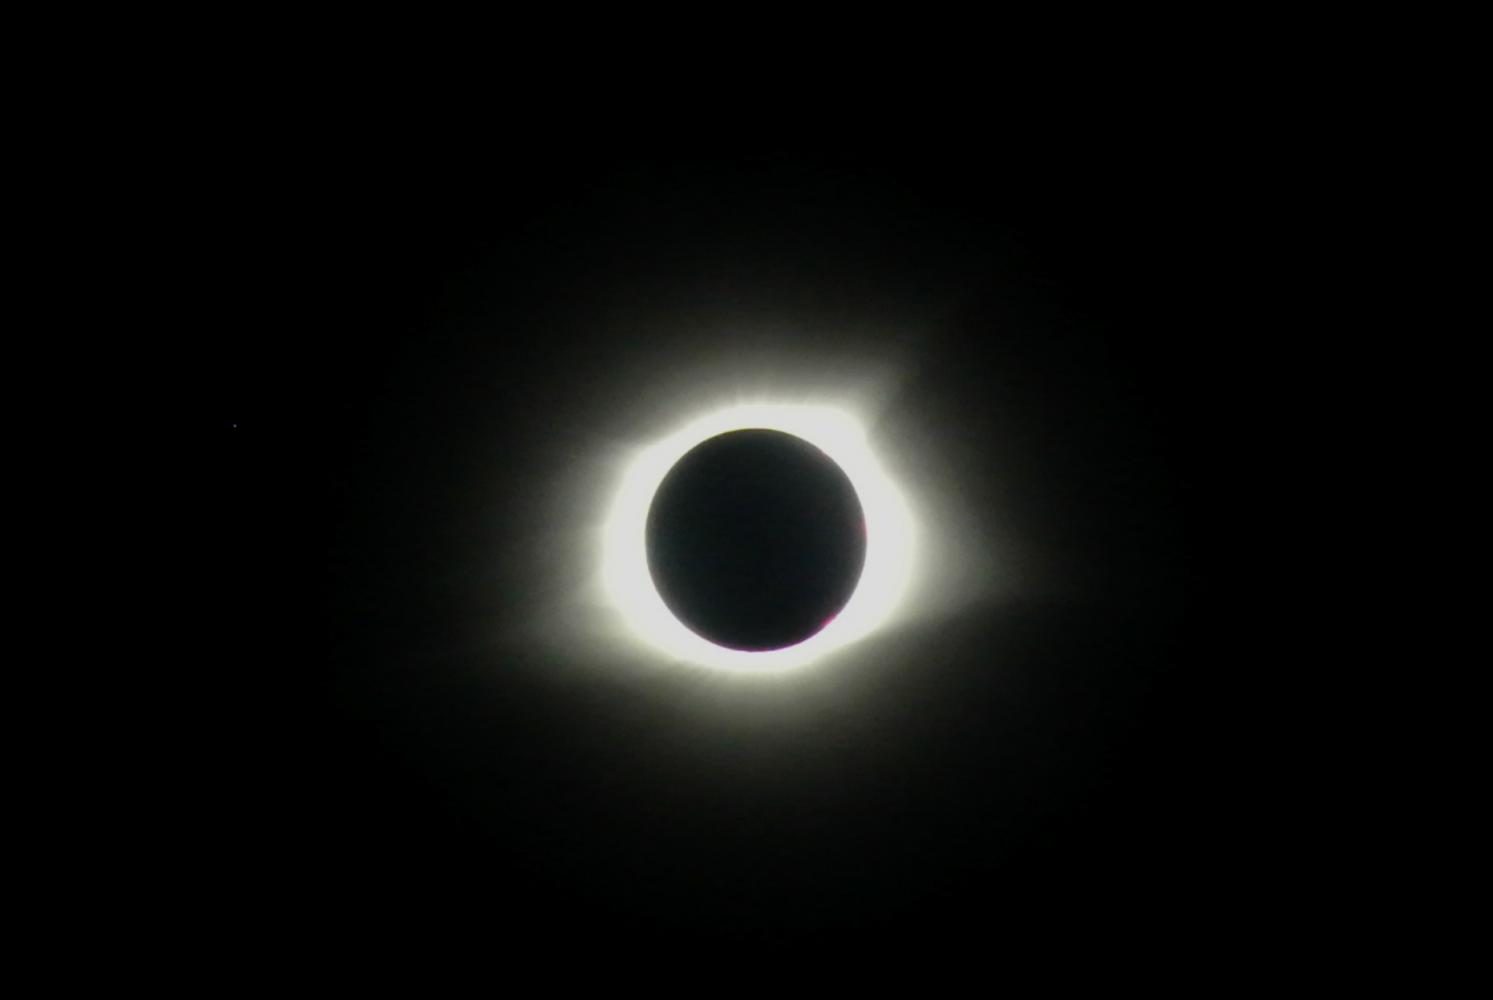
(800, 546)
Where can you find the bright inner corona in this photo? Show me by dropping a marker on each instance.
(889, 538)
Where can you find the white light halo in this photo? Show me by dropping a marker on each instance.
(889, 537)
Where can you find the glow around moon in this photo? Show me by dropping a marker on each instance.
(890, 541)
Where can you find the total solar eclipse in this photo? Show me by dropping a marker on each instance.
(755, 539)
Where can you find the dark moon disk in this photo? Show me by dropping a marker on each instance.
(756, 540)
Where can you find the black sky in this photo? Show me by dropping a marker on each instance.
(421, 344)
